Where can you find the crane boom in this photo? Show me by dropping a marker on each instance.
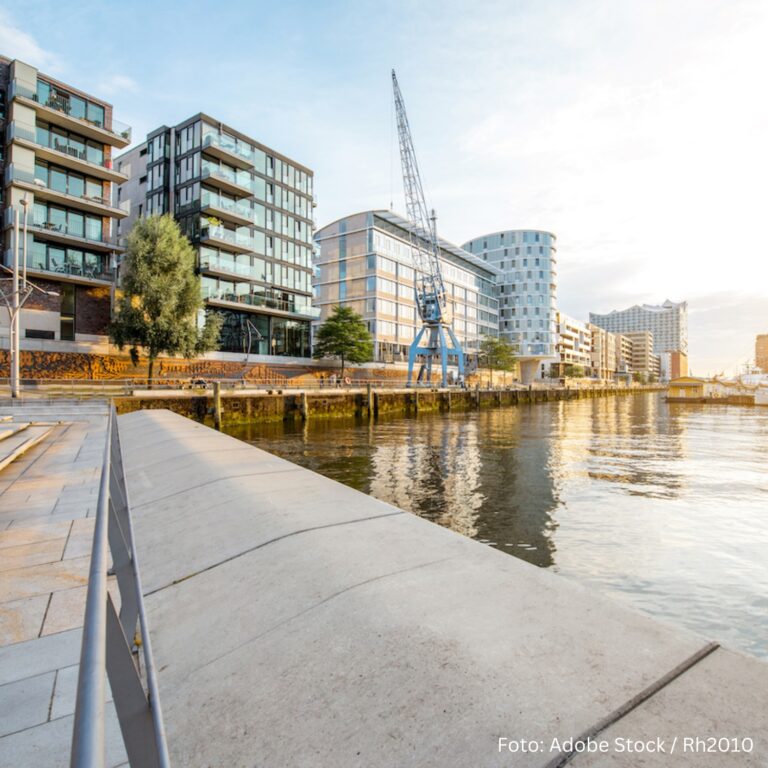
(429, 288)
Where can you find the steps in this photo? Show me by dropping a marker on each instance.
(18, 438)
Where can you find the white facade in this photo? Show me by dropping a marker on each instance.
(667, 322)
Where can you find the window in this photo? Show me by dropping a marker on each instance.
(67, 332)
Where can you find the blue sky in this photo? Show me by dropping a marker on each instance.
(633, 129)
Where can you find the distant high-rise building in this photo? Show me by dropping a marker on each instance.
(667, 322)
(527, 259)
(248, 211)
(56, 149)
(761, 352)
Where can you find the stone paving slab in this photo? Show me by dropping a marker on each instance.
(45, 541)
(22, 619)
(309, 624)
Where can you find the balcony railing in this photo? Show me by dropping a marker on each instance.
(16, 174)
(62, 104)
(239, 239)
(240, 179)
(244, 151)
(17, 131)
(242, 208)
(261, 300)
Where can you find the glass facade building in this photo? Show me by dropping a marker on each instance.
(248, 212)
(364, 261)
(57, 157)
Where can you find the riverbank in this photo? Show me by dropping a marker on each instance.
(229, 408)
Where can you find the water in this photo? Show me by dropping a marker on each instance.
(664, 506)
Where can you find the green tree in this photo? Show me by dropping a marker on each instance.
(498, 354)
(574, 371)
(344, 335)
(161, 297)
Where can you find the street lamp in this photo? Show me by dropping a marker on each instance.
(19, 295)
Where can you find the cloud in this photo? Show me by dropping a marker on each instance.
(17, 44)
(117, 84)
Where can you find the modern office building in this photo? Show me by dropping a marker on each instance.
(56, 157)
(574, 347)
(527, 293)
(248, 212)
(667, 322)
(761, 352)
(364, 261)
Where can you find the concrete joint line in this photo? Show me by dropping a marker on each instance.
(267, 543)
(211, 482)
(633, 703)
(316, 605)
(213, 451)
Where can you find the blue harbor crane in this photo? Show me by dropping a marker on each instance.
(428, 286)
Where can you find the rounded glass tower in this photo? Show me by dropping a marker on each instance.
(527, 292)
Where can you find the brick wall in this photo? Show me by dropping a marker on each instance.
(92, 310)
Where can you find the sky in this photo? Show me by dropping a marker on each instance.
(635, 130)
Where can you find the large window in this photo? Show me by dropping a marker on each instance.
(69, 182)
(69, 143)
(67, 222)
(51, 257)
(70, 103)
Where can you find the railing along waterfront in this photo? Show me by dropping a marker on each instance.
(109, 638)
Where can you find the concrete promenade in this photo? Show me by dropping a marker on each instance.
(47, 505)
(297, 622)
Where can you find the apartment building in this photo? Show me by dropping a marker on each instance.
(527, 260)
(247, 210)
(364, 261)
(574, 347)
(603, 357)
(56, 165)
(643, 361)
(668, 322)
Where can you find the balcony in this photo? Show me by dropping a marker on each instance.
(237, 183)
(70, 272)
(98, 206)
(65, 156)
(236, 211)
(55, 232)
(231, 152)
(57, 110)
(227, 239)
(266, 304)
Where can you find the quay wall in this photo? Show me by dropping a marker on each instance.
(243, 406)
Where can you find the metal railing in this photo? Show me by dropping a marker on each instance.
(109, 639)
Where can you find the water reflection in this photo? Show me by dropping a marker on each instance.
(662, 505)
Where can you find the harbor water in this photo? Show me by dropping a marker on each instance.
(664, 506)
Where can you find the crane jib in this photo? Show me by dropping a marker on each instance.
(429, 287)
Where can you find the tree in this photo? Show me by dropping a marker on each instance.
(344, 335)
(574, 371)
(498, 353)
(161, 296)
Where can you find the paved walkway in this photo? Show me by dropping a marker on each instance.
(47, 505)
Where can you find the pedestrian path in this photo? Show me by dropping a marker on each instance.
(48, 492)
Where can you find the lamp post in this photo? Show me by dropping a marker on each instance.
(20, 292)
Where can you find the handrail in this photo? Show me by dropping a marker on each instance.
(88, 734)
(108, 640)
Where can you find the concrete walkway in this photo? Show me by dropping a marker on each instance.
(297, 622)
(47, 502)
